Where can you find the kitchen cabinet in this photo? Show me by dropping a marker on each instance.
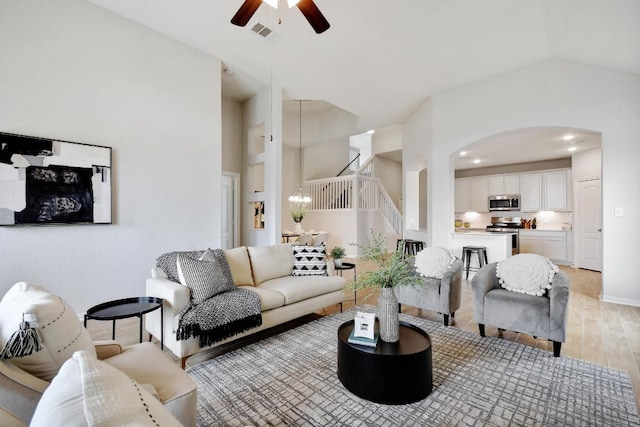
(546, 191)
(471, 195)
(462, 195)
(503, 184)
(555, 245)
(479, 195)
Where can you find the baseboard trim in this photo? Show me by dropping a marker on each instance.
(622, 301)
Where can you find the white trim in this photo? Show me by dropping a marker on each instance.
(236, 206)
(619, 300)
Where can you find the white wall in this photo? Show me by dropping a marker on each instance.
(72, 70)
(586, 165)
(387, 139)
(232, 142)
(551, 93)
(324, 160)
(389, 173)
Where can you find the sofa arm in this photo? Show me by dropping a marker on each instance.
(559, 304)
(106, 349)
(483, 281)
(451, 288)
(174, 294)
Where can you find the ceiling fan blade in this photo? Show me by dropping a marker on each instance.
(310, 11)
(246, 11)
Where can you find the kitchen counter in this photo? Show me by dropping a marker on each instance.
(498, 244)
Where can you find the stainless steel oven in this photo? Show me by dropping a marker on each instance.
(507, 225)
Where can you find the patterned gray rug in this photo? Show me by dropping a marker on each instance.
(290, 379)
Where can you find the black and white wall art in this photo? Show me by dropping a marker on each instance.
(48, 181)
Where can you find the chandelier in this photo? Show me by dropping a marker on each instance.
(300, 197)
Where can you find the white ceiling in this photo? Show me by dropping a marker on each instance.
(381, 59)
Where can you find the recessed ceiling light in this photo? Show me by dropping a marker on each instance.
(463, 153)
(371, 132)
(572, 148)
(568, 137)
(476, 161)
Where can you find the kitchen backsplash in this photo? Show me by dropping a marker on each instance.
(546, 220)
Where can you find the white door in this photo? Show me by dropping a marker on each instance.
(589, 225)
(228, 211)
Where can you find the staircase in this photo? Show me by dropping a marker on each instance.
(359, 192)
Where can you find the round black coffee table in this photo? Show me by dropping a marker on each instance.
(390, 373)
(125, 308)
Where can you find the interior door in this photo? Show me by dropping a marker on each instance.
(228, 212)
(589, 225)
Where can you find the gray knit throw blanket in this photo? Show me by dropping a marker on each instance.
(222, 316)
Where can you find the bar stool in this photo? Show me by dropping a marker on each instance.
(410, 247)
(481, 251)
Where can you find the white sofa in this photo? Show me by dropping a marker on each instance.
(266, 270)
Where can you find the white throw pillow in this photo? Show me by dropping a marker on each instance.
(90, 392)
(240, 266)
(529, 274)
(58, 326)
(434, 261)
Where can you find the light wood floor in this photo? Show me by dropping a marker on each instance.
(598, 332)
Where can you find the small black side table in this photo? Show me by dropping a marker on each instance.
(349, 266)
(391, 373)
(125, 308)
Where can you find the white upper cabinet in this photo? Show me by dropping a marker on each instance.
(557, 189)
(479, 194)
(496, 185)
(546, 191)
(512, 184)
(531, 197)
(462, 195)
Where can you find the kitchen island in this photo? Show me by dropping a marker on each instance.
(498, 244)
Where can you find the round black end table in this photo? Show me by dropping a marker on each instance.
(390, 373)
(349, 266)
(125, 308)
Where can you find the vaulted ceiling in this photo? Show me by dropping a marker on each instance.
(381, 59)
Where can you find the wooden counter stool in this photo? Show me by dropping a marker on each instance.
(481, 251)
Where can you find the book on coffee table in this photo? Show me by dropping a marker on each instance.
(362, 340)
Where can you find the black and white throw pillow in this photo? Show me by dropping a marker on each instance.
(167, 262)
(205, 278)
(309, 260)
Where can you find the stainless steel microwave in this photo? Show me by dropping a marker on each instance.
(506, 202)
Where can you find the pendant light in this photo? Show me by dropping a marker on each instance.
(300, 197)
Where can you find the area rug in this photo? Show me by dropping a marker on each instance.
(290, 379)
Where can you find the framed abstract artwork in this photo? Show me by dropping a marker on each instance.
(49, 181)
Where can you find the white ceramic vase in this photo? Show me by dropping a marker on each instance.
(298, 227)
(337, 262)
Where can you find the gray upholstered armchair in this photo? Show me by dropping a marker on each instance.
(541, 316)
(441, 295)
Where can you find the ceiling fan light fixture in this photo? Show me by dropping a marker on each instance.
(292, 2)
(272, 3)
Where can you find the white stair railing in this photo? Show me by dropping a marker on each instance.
(337, 194)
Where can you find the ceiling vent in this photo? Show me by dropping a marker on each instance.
(265, 32)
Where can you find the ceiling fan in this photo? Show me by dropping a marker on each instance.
(308, 8)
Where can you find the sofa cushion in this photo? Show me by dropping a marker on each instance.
(58, 326)
(529, 274)
(207, 277)
(434, 261)
(269, 299)
(270, 262)
(168, 263)
(89, 392)
(240, 266)
(297, 289)
(309, 260)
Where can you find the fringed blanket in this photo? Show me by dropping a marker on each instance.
(222, 316)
